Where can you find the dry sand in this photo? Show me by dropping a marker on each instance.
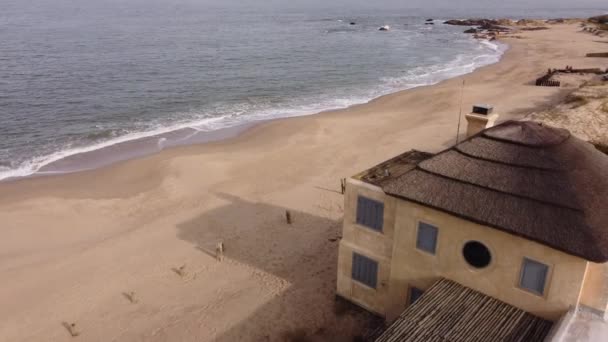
(73, 245)
(584, 112)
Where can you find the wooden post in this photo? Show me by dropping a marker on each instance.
(181, 271)
(288, 216)
(219, 251)
(131, 297)
(343, 185)
(71, 328)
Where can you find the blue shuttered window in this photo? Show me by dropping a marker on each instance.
(415, 293)
(427, 237)
(370, 213)
(533, 276)
(365, 270)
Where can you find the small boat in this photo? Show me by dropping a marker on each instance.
(384, 28)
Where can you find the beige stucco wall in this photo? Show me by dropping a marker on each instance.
(478, 122)
(499, 280)
(401, 265)
(367, 242)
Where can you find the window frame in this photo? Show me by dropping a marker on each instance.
(417, 239)
(364, 224)
(362, 279)
(545, 282)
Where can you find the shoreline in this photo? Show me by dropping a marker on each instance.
(74, 244)
(237, 133)
(123, 149)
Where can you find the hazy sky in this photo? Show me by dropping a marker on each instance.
(464, 8)
(438, 3)
(426, 7)
(392, 3)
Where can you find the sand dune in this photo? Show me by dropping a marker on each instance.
(74, 246)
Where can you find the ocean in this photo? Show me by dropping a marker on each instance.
(133, 77)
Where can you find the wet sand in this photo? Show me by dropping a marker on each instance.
(73, 245)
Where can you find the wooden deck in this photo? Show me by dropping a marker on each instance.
(451, 312)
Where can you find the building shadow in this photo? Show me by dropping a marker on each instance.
(303, 253)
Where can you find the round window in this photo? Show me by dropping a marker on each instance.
(477, 254)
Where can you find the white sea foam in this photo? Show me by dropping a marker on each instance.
(422, 76)
(35, 164)
(489, 44)
(161, 143)
(460, 65)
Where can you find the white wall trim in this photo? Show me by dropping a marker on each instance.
(560, 328)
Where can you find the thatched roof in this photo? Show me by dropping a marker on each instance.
(451, 312)
(394, 167)
(534, 181)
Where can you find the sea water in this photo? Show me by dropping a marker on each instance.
(77, 76)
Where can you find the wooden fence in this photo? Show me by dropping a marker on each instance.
(598, 54)
(546, 81)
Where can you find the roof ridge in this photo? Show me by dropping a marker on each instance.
(513, 142)
(529, 167)
(498, 191)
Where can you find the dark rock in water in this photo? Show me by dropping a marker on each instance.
(353, 23)
(429, 23)
(481, 25)
(471, 22)
(430, 19)
(494, 27)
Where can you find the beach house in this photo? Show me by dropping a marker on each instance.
(515, 213)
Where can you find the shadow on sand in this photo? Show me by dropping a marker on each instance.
(303, 253)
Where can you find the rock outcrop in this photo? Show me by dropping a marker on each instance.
(481, 26)
(600, 19)
(505, 22)
(471, 22)
(556, 21)
(530, 22)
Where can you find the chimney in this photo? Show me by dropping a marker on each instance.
(480, 118)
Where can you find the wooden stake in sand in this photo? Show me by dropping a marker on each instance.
(181, 271)
(130, 297)
(288, 216)
(219, 251)
(71, 328)
(343, 185)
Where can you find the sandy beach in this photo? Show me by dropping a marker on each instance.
(75, 246)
